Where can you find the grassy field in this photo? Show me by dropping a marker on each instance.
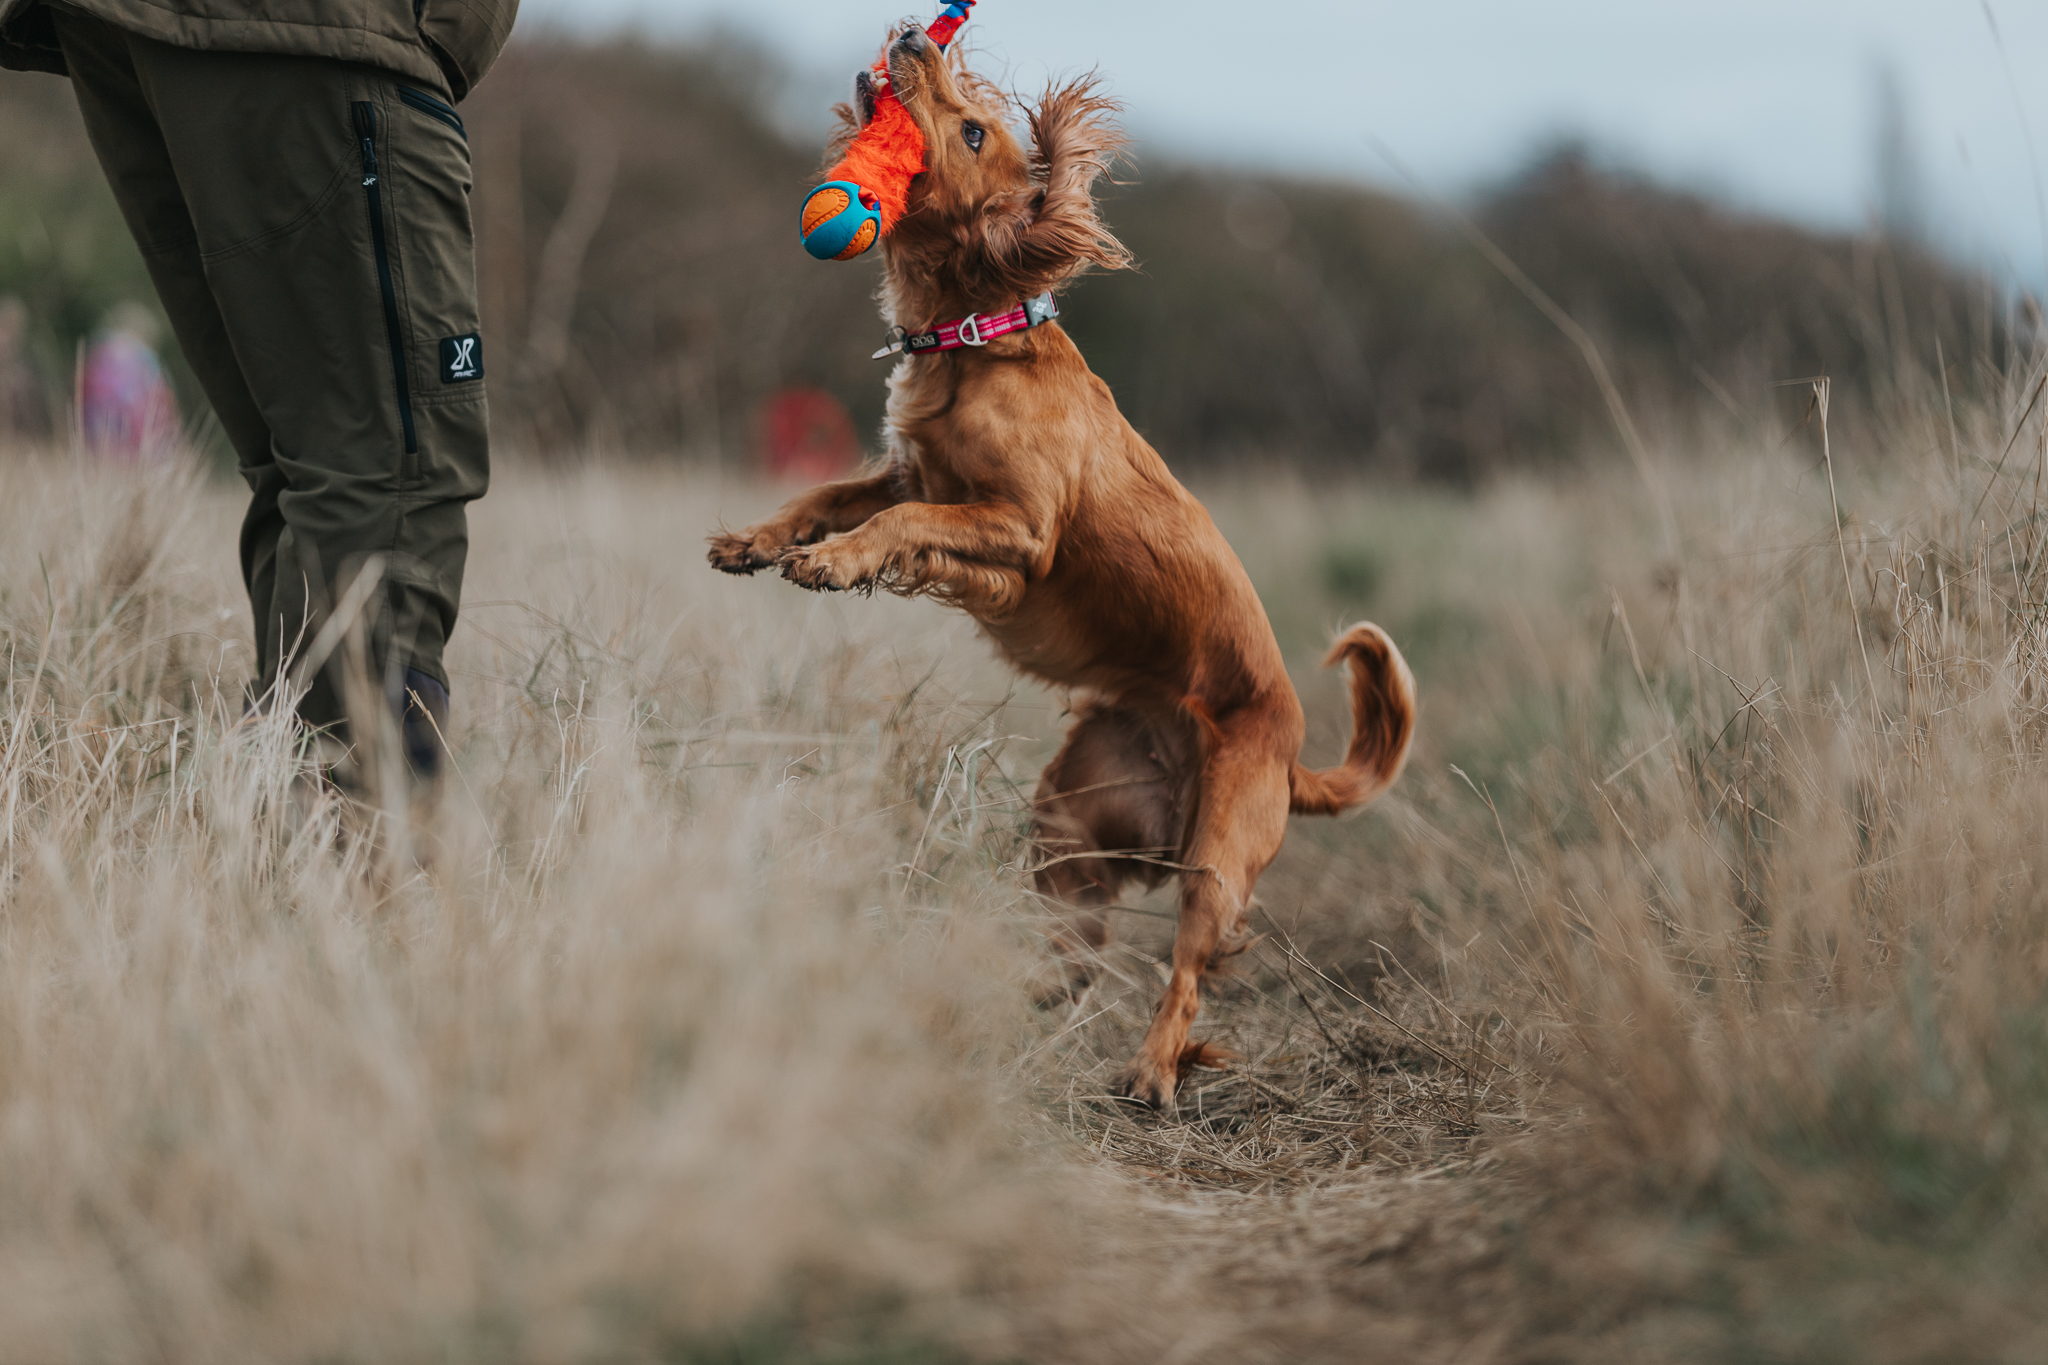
(1685, 1001)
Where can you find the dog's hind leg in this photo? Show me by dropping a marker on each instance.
(1238, 828)
(1106, 814)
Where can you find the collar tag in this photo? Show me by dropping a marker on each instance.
(891, 343)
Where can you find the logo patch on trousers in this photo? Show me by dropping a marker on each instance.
(462, 358)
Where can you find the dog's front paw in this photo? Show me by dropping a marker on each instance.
(1146, 1082)
(742, 552)
(1149, 1083)
(828, 567)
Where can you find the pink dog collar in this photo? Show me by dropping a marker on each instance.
(976, 329)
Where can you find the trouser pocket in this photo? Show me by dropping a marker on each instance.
(433, 108)
(364, 115)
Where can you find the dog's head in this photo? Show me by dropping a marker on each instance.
(989, 223)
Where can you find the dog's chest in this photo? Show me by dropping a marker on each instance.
(946, 456)
(932, 471)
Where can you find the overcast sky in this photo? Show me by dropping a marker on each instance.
(1771, 103)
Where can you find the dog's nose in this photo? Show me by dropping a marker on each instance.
(913, 41)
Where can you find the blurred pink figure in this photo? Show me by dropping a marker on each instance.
(125, 405)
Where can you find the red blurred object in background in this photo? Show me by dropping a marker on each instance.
(807, 437)
(125, 405)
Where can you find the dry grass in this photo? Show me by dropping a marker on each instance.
(1686, 1002)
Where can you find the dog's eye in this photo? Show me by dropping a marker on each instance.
(972, 132)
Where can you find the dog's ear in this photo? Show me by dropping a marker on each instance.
(1041, 237)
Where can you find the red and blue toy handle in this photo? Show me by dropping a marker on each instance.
(947, 24)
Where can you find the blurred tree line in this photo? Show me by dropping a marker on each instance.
(643, 288)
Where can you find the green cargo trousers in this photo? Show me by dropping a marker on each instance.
(306, 222)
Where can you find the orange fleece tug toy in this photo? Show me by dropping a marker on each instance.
(866, 193)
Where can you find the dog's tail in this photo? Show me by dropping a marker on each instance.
(1382, 727)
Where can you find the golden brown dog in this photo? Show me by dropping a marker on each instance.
(1015, 490)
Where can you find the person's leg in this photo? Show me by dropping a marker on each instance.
(131, 149)
(330, 210)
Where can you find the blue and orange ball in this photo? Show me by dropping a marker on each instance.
(841, 220)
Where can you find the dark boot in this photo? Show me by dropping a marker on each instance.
(423, 725)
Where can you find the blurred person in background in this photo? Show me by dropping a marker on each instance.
(125, 405)
(297, 178)
(22, 410)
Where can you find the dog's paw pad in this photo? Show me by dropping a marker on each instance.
(807, 569)
(736, 554)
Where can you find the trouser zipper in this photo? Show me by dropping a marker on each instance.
(365, 116)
